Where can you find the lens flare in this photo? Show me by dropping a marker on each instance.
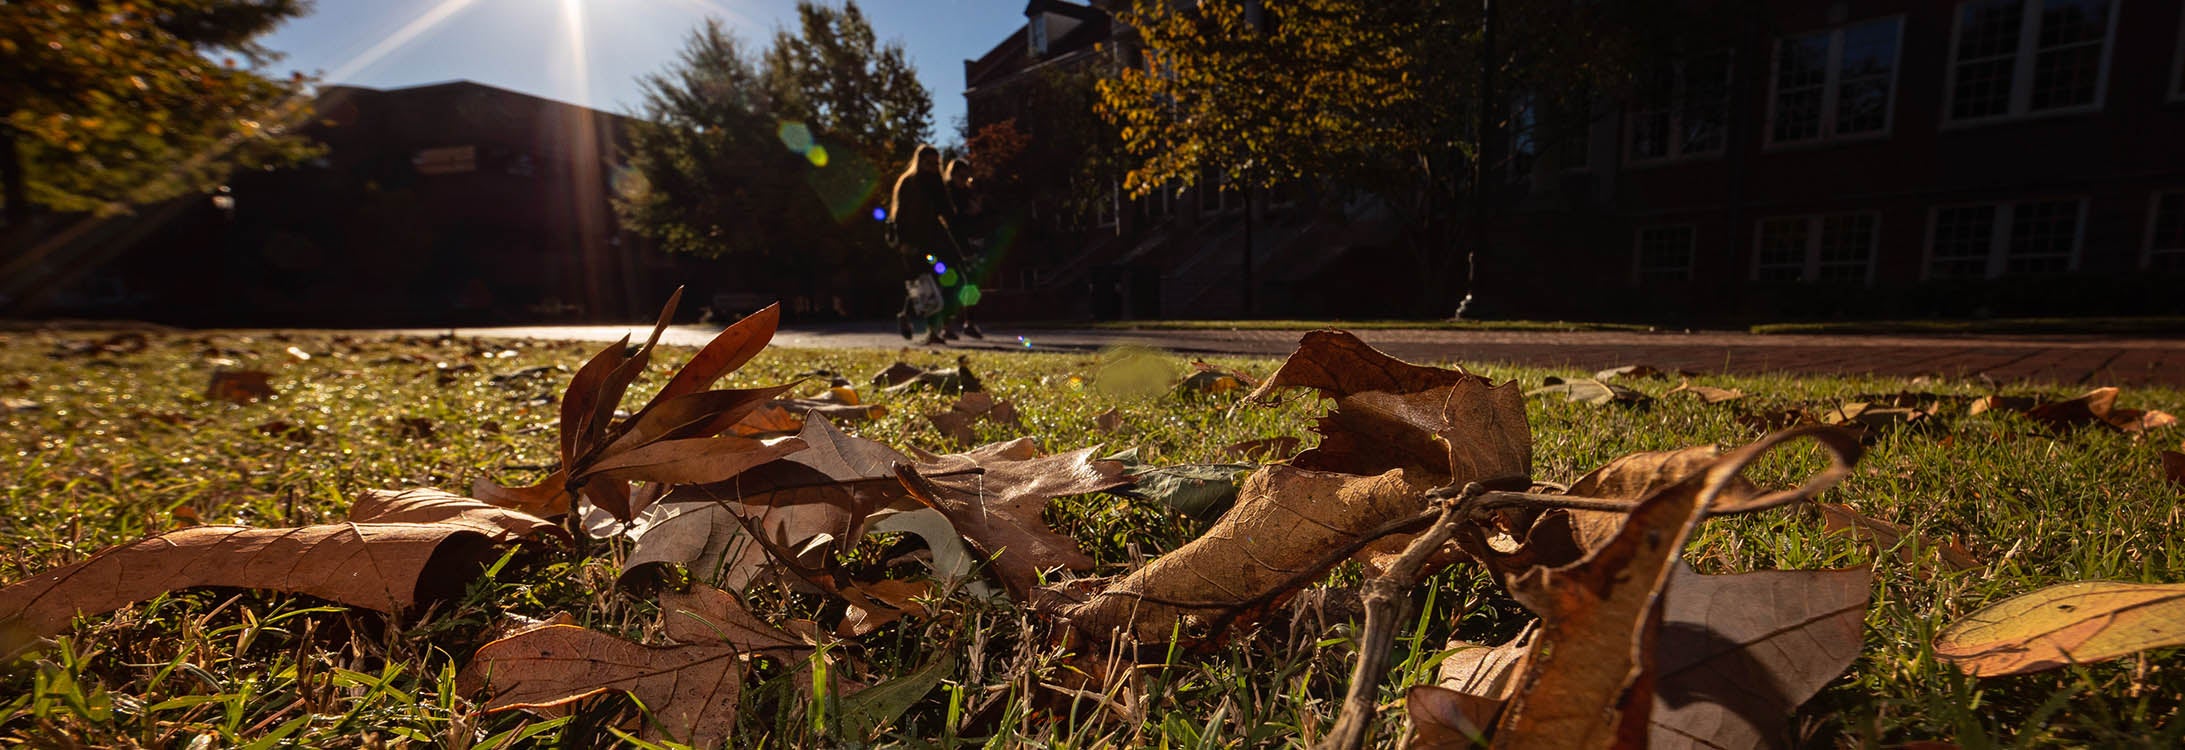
(817, 154)
(879, 214)
(795, 136)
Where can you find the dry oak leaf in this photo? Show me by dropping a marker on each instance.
(1632, 372)
(1886, 536)
(2072, 623)
(1392, 414)
(1445, 719)
(2173, 467)
(771, 420)
(1593, 680)
(426, 505)
(958, 379)
(690, 691)
(239, 386)
(386, 567)
(1592, 392)
(705, 614)
(1284, 522)
(1108, 421)
(998, 508)
(968, 411)
(2095, 407)
(1707, 394)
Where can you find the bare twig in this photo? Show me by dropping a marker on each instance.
(1385, 596)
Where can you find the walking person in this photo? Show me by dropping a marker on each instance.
(970, 231)
(919, 217)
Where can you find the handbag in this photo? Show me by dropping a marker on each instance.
(924, 294)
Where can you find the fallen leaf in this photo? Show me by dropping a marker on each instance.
(1212, 380)
(2095, 407)
(1737, 654)
(386, 567)
(958, 379)
(1594, 678)
(998, 508)
(549, 498)
(896, 374)
(957, 423)
(2173, 467)
(1108, 421)
(1486, 671)
(440, 507)
(771, 420)
(1887, 537)
(690, 691)
(1631, 372)
(1284, 522)
(1592, 392)
(1445, 719)
(1337, 363)
(874, 709)
(1197, 490)
(705, 614)
(1707, 394)
(239, 386)
(690, 461)
(2072, 623)
(11, 405)
(711, 538)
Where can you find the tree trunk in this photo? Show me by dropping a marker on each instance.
(1248, 252)
(13, 186)
(1483, 158)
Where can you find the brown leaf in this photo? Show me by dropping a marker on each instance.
(690, 690)
(1641, 474)
(1631, 372)
(548, 499)
(958, 379)
(1886, 536)
(896, 374)
(689, 461)
(768, 421)
(1210, 380)
(436, 506)
(998, 509)
(1337, 363)
(957, 423)
(1484, 671)
(1592, 682)
(1445, 719)
(1738, 653)
(693, 415)
(1108, 421)
(1284, 522)
(1707, 394)
(705, 614)
(2095, 407)
(714, 539)
(2072, 623)
(2173, 467)
(384, 567)
(728, 350)
(1592, 392)
(239, 386)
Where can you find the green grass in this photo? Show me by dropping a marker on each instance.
(2107, 326)
(1356, 325)
(121, 444)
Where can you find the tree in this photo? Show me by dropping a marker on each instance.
(106, 105)
(776, 160)
(835, 76)
(1379, 95)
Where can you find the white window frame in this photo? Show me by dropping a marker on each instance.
(1811, 272)
(1679, 88)
(1830, 86)
(2022, 61)
(1999, 234)
(1638, 254)
(2148, 250)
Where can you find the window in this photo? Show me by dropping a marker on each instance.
(2166, 232)
(1834, 83)
(1682, 109)
(1832, 247)
(2019, 57)
(1993, 239)
(1665, 253)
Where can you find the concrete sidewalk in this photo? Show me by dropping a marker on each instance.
(2059, 359)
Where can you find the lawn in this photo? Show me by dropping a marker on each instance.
(108, 446)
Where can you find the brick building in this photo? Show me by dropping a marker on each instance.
(445, 204)
(1856, 158)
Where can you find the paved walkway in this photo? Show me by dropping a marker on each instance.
(2061, 359)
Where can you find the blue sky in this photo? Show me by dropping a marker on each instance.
(592, 51)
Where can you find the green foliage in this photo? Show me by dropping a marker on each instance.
(777, 158)
(106, 105)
